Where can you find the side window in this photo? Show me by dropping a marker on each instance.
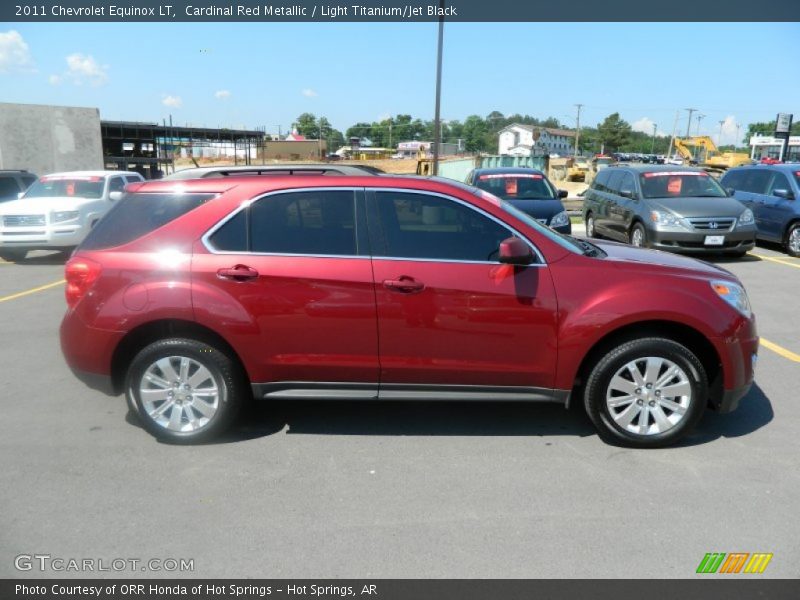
(756, 181)
(732, 180)
(318, 222)
(613, 181)
(419, 225)
(133, 179)
(232, 235)
(117, 184)
(627, 183)
(27, 180)
(779, 182)
(600, 182)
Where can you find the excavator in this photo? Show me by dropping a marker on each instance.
(711, 157)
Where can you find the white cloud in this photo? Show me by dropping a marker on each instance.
(83, 67)
(15, 55)
(222, 94)
(55, 79)
(172, 101)
(729, 133)
(309, 93)
(645, 125)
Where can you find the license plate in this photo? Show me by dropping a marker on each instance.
(715, 240)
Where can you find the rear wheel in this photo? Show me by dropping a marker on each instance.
(184, 391)
(590, 231)
(793, 240)
(13, 254)
(646, 393)
(638, 236)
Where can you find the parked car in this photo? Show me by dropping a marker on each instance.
(13, 183)
(191, 299)
(668, 208)
(274, 169)
(529, 190)
(58, 210)
(772, 193)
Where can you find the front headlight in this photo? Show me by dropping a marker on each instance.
(746, 218)
(734, 295)
(560, 220)
(65, 215)
(667, 219)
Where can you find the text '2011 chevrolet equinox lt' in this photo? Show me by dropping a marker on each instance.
(192, 297)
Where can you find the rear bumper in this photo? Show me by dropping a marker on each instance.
(88, 351)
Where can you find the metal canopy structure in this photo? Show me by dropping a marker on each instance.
(149, 148)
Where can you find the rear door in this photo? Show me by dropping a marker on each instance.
(614, 223)
(449, 314)
(776, 211)
(753, 193)
(290, 279)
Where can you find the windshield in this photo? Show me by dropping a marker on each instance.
(679, 184)
(80, 187)
(516, 186)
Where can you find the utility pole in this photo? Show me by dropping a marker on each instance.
(577, 129)
(738, 137)
(674, 130)
(436, 119)
(390, 133)
(699, 118)
(689, 124)
(653, 146)
(719, 140)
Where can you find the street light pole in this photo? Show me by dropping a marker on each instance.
(437, 134)
(689, 122)
(653, 146)
(577, 129)
(719, 140)
(699, 118)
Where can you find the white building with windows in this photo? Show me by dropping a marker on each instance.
(528, 140)
(766, 146)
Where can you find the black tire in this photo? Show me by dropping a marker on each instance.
(591, 231)
(638, 227)
(224, 371)
(599, 380)
(13, 254)
(794, 230)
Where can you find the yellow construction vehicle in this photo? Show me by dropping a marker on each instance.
(710, 156)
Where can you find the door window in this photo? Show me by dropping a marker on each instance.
(314, 222)
(614, 181)
(779, 182)
(756, 181)
(423, 226)
(117, 184)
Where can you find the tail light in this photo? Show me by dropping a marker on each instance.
(80, 274)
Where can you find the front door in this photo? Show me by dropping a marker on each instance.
(448, 312)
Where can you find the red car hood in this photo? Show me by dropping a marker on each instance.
(632, 256)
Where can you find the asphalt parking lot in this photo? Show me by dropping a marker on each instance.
(392, 490)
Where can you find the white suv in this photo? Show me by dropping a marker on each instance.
(58, 210)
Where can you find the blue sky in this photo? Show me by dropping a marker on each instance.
(253, 75)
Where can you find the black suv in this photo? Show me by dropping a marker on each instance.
(14, 182)
(680, 209)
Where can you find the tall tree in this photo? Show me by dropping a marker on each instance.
(614, 132)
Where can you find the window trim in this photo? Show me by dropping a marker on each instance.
(206, 241)
(372, 199)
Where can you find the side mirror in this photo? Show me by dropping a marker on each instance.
(781, 193)
(563, 193)
(628, 193)
(114, 196)
(730, 191)
(514, 251)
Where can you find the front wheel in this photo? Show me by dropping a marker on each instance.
(646, 393)
(638, 236)
(590, 230)
(793, 240)
(13, 254)
(184, 391)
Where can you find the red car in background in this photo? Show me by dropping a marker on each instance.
(190, 298)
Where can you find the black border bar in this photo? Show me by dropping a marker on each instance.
(733, 587)
(398, 10)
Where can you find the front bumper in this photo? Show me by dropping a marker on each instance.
(43, 237)
(683, 241)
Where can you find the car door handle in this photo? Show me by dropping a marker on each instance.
(238, 273)
(404, 285)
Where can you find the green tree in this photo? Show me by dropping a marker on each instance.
(614, 132)
(307, 125)
(475, 134)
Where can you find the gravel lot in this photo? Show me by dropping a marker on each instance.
(392, 490)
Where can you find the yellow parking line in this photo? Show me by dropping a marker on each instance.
(782, 261)
(780, 350)
(32, 291)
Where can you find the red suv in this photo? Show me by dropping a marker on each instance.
(190, 298)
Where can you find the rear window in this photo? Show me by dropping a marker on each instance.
(136, 215)
(516, 186)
